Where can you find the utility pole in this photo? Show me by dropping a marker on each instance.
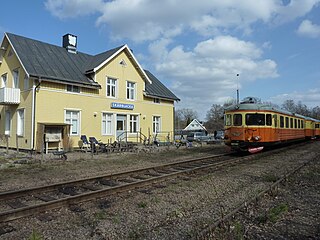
(238, 88)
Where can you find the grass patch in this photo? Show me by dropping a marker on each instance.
(273, 214)
(269, 177)
(239, 231)
(101, 215)
(35, 235)
(142, 205)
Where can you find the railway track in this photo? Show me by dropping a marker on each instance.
(21, 203)
(26, 202)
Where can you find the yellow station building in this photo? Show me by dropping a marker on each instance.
(50, 96)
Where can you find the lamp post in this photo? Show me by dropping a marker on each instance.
(238, 88)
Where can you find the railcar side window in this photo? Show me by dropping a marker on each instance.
(227, 120)
(291, 122)
(255, 119)
(237, 120)
(269, 120)
(287, 122)
(299, 126)
(281, 121)
(295, 123)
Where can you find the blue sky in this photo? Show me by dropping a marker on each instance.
(195, 47)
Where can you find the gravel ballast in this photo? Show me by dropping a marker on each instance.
(180, 208)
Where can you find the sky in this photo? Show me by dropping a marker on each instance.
(202, 50)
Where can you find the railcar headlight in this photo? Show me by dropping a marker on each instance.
(257, 138)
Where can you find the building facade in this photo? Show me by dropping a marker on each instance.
(50, 96)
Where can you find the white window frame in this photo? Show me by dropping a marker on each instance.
(74, 116)
(4, 80)
(131, 90)
(133, 123)
(26, 82)
(113, 86)
(7, 129)
(107, 124)
(156, 100)
(15, 78)
(156, 124)
(20, 121)
(73, 88)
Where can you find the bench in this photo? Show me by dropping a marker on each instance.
(60, 154)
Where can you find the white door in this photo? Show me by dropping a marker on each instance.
(121, 126)
(8, 123)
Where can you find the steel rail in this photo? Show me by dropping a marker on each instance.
(168, 171)
(21, 192)
(205, 234)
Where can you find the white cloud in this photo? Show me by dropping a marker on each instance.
(310, 97)
(293, 10)
(73, 8)
(308, 29)
(208, 73)
(148, 20)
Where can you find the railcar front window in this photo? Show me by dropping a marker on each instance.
(255, 119)
(237, 120)
(227, 120)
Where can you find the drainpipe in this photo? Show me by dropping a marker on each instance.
(33, 118)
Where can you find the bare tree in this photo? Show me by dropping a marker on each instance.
(214, 118)
(183, 117)
(289, 105)
(315, 113)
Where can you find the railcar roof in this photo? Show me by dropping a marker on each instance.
(261, 107)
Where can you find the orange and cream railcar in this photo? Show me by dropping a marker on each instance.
(317, 129)
(251, 126)
(312, 128)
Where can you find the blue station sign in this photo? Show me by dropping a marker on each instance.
(122, 106)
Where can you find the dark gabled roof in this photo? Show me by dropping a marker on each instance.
(100, 58)
(49, 61)
(157, 89)
(52, 62)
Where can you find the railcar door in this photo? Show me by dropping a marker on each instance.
(275, 129)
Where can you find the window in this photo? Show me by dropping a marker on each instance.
(111, 87)
(156, 100)
(291, 122)
(227, 119)
(4, 80)
(26, 82)
(131, 90)
(269, 120)
(156, 124)
(72, 88)
(281, 121)
(8, 123)
(10, 53)
(107, 124)
(20, 122)
(299, 123)
(73, 118)
(15, 82)
(133, 123)
(237, 120)
(287, 122)
(295, 123)
(255, 119)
